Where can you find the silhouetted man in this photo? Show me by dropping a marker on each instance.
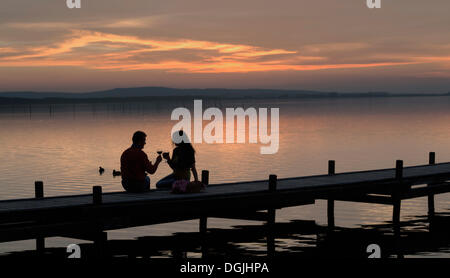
(134, 164)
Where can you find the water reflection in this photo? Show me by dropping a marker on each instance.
(293, 239)
(64, 144)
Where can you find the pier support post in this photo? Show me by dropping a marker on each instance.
(39, 194)
(396, 200)
(100, 245)
(431, 210)
(330, 201)
(396, 196)
(97, 195)
(203, 225)
(396, 214)
(100, 237)
(271, 217)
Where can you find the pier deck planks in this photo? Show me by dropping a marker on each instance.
(321, 183)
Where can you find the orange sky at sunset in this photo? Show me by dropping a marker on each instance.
(317, 45)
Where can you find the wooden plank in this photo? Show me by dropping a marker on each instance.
(315, 182)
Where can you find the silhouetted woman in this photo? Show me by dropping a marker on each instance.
(182, 161)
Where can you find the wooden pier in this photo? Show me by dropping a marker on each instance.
(90, 216)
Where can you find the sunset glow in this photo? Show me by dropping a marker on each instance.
(115, 52)
(195, 44)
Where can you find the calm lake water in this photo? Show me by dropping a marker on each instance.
(63, 145)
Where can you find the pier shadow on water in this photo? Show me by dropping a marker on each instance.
(297, 239)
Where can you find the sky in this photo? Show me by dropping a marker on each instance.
(324, 45)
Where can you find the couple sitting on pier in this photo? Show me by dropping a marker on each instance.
(135, 164)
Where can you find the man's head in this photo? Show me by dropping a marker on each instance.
(139, 139)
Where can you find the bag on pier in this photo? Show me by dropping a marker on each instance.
(195, 187)
(184, 186)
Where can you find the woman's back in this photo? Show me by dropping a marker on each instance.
(183, 158)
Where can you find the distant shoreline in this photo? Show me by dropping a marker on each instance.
(169, 94)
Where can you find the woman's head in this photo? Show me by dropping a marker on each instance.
(180, 139)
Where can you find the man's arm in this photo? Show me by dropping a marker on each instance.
(151, 168)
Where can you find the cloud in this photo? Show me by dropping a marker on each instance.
(7, 50)
(51, 25)
(340, 46)
(96, 23)
(113, 52)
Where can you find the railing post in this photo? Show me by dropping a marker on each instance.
(272, 183)
(39, 189)
(39, 194)
(399, 169)
(331, 167)
(432, 158)
(97, 195)
(271, 217)
(330, 200)
(431, 209)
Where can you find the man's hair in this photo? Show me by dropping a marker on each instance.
(139, 136)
